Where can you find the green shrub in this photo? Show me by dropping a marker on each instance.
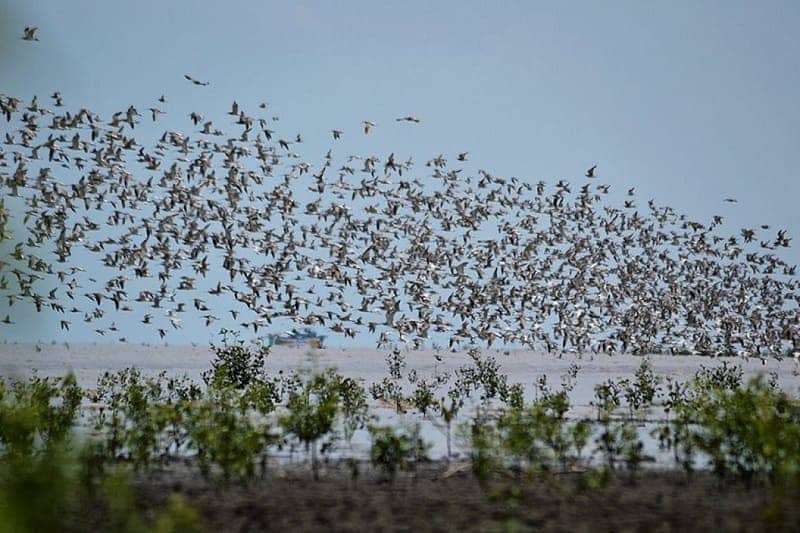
(37, 414)
(222, 434)
(482, 375)
(38, 492)
(396, 450)
(142, 418)
(313, 408)
(528, 441)
(261, 395)
(619, 444)
(449, 414)
(355, 411)
(641, 391)
(423, 397)
(749, 432)
(389, 391)
(49, 481)
(236, 365)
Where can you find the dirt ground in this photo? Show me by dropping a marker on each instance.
(442, 498)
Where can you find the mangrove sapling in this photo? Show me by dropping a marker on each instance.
(487, 373)
(675, 435)
(449, 414)
(683, 402)
(181, 393)
(223, 435)
(673, 395)
(389, 391)
(396, 363)
(355, 413)
(549, 417)
(541, 437)
(396, 450)
(619, 443)
(312, 412)
(606, 399)
(261, 395)
(542, 388)
(570, 378)
(133, 422)
(751, 432)
(235, 364)
(640, 392)
(423, 397)
(484, 445)
(580, 432)
(724, 377)
(515, 399)
(45, 481)
(484, 375)
(37, 414)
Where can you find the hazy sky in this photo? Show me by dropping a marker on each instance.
(690, 102)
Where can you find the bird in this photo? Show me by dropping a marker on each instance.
(364, 243)
(154, 112)
(590, 172)
(368, 125)
(195, 81)
(29, 34)
(408, 118)
(337, 134)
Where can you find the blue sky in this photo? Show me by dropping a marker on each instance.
(690, 102)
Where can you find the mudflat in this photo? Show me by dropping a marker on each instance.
(442, 497)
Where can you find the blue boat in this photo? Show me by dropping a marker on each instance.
(295, 337)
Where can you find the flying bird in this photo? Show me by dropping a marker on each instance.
(195, 81)
(29, 34)
(155, 112)
(590, 172)
(408, 118)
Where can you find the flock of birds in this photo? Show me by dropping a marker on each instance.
(239, 225)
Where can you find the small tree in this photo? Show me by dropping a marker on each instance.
(235, 364)
(396, 450)
(313, 407)
(222, 434)
(449, 414)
